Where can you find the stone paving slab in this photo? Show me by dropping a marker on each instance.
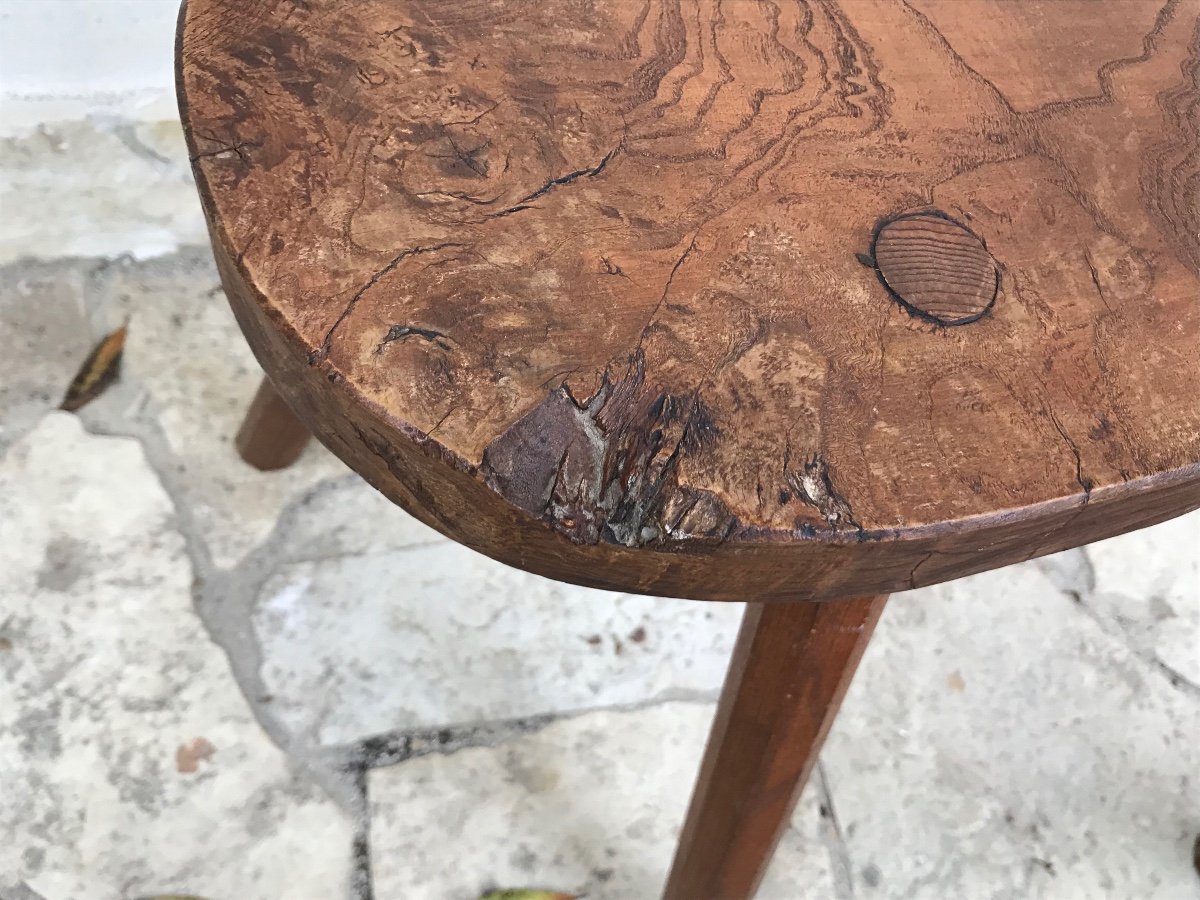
(131, 763)
(187, 377)
(435, 634)
(351, 607)
(190, 376)
(1146, 585)
(44, 318)
(590, 804)
(997, 742)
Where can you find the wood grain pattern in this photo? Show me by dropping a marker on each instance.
(790, 669)
(936, 268)
(609, 290)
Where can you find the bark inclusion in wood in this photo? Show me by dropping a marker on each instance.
(605, 469)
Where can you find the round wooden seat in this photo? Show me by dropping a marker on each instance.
(727, 300)
(722, 300)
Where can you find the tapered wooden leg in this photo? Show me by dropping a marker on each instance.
(271, 437)
(789, 672)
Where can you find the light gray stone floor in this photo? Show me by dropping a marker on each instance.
(241, 685)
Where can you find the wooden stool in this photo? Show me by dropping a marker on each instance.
(791, 303)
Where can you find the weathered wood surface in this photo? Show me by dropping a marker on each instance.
(779, 300)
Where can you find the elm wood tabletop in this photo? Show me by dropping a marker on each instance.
(725, 301)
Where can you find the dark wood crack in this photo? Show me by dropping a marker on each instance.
(1084, 482)
(591, 172)
(400, 332)
(322, 352)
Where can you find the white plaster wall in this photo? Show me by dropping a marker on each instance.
(66, 58)
(92, 158)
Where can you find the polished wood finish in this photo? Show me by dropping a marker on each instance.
(271, 437)
(790, 669)
(712, 299)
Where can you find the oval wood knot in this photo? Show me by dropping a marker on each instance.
(936, 268)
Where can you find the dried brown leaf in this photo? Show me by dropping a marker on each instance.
(98, 371)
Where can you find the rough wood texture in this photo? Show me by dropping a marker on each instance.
(271, 437)
(789, 672)
(782, 300)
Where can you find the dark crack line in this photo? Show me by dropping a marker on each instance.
(400, 332)
(321, 353)
(442, 421)
(474, 121)
(509, 211)
(561, 377)
(1176, 678)
(611, 268)
(912, 575)
(467, 157)
(362, 884)
(1096, 280)
(458, 195)
(550, 185)
(667, 287)
(572, 176)
(397, 747)
(394, 747)
(1089, 568)
(238, 148)
(1085, 483)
